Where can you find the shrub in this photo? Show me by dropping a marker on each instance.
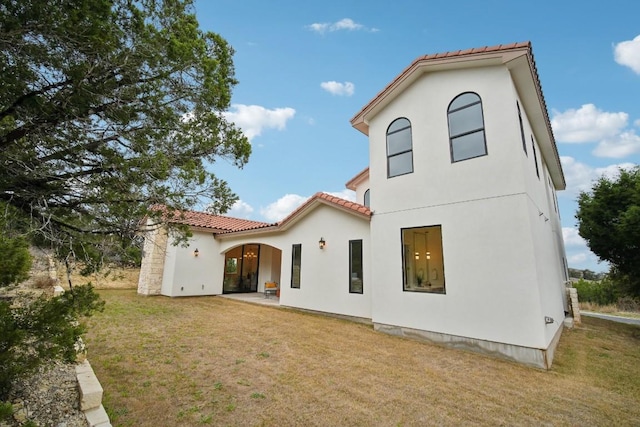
(601, 292)
(42, 329)
(15, 260)
(44, 282)
(628, 303)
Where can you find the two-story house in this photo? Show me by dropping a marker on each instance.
(455, 235)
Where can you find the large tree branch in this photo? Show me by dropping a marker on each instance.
(20, 100)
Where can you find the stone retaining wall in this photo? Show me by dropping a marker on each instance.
(91, 396)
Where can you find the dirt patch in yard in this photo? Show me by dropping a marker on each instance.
(211, 360)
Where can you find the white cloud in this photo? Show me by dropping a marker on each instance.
(253, 119)
(343, 24)
(346, 24)
(337, 88)
(637, 123)
(282, 207)
(627, 53)
(286, 204)
(571, 237)
(319, 27)
(580, 176)
(622, 145)
(577, 259)
(578, 253)
(240, 209)
(587, 124)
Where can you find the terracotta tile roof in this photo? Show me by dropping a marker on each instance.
(219, 223)
(327, 199)
(227, 225)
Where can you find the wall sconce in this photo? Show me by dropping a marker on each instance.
(322, 243)
(196, 253)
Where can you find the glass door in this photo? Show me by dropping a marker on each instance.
(241, 269)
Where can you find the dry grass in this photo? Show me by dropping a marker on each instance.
(210, 360)
(612, 309)
(109, 278)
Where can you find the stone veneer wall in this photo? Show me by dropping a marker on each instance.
(575, 305)
(151, 270)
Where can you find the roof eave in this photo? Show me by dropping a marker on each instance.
(353, 183)
(432, 63)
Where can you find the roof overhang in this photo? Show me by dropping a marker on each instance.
(317, 200)
(353, 183)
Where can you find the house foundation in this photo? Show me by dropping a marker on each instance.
(535, 357)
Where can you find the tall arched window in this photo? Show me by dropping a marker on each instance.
(399, 148)
(367, 200)
(466, 127)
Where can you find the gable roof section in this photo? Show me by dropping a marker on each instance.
(517, 57)
(328, 200)
(217, 223)
(227, 226)
(356, 180)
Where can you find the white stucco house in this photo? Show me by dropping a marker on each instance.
(454, 237)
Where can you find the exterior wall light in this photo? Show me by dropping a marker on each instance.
(196, 253)
(322, 243)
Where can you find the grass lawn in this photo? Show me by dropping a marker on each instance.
(210, 360)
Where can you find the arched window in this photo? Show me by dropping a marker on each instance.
(399, 148)
(466, 127)
(367, 200)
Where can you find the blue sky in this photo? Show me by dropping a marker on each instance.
(305, 68)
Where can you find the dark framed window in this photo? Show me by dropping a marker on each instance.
(535, 156)
(399, 148)
(296, 264)
(423, 259)
(524, 142)
(466, 127)
(355, 267)
(367, 200)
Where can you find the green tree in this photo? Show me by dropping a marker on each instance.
(108, 107)
(15, 260)
(609, 220)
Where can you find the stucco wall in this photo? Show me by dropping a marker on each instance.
(188, 275)
(360, 190)
(324, 273)
(500, 257)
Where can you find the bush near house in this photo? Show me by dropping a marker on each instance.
(601, 292)
(606, 292)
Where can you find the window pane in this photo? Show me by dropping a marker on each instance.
(355, 266)
(465, 120)
(423, 259)
(401, 164)
(296, 261)
(468, 146)
(524, 144)
(399, 142)
(462, 100)
(367, 200)
(398, 124)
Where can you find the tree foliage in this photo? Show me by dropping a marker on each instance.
(609, 220)
(34, 332)
(108, 107)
